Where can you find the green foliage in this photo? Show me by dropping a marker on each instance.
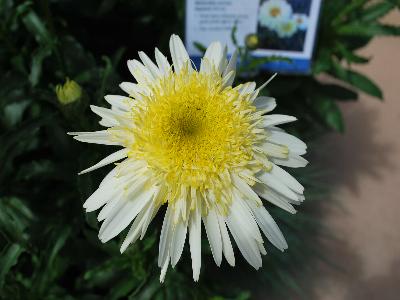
(49, 246)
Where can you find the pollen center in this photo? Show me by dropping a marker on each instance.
(192, 130)
(275, 12)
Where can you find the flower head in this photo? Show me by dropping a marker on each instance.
(202, 148)
(287, 28)
(69, 92)
(273, 12)
(301, 21)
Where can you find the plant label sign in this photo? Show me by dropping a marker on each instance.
(284, 29)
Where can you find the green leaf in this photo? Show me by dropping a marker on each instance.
(13, 112)
(358, 80)
(200, 47)
(61, 235)
(233, 35)
(15, 217)
(121, 289)
(77, 59)
(9, 258)
(367, 29)
(329, 112)
(108, 72)
(36, 66)
(289, 281)
(323, 62)
(41, 169)
(50, 266)
(350, 57)
(35, 25)
(376, 11)
(350, 7)
(337, 92)
(102, 272)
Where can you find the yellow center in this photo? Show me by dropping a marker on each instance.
(275, 11)
(287, 27)
(191, 131)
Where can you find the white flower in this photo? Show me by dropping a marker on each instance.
(286, 28)
(301, 21)
(203, 148)
(274, 12)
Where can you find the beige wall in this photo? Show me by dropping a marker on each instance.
(365, 162)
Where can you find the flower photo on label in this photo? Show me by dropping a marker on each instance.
(273, 12)
(283, 24)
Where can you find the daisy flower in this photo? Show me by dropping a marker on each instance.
(301, 21)
(286, 28)
(273, 12)
(203, 149)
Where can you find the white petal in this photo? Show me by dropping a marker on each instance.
(111, 116)
(275, 128)
(213, 235)
(244, 188)
(140, 72)
(165, 237)
(262, 249)
(164, 268)
(213, 54)
(150, 65)
(206, 66)
(126, 214)
(266, 104)
(162, 62)
(131, 167)
(228, 79)
(102, 195)
(110, 176)
(274, 198)
(179, 55)
(275, 150)
(136, 227)
(111, 208)
(287, 179)
(105, 123)
(277, 185)
(242, 212)
(293, 161)
(108, 160)
(120, 197)
(120, 102)
(226, 242)
(178, 242)
(245, 242)
(224, 60)
(271, 120)
(269, 227)
(133, 89)
(232, 63)
(246, 88)
(102, 137)
(195, 240)
(295, 144)
(266, 83)
(149, 217)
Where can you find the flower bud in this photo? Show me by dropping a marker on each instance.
(251, 41)
(69, 92)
